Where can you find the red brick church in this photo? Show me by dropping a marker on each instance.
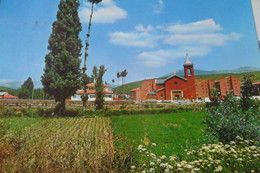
(187, 87)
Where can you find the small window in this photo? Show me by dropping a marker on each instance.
(175, 83)
(162, 95)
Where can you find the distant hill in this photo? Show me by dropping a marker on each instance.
(13, 84)
(205, 72)
(9, 90)
(18, 84)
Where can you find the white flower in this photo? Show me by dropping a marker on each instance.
(132, 167)
(169, 167)
(152, 163)
(167, 170)
(240, 159)
(158, 161)
(172, 158)
(151, 170)
(143, 172)
(189, 166)
(152, 155)
(196, 169)
(163, 157)
(154, 144)
(218, 169)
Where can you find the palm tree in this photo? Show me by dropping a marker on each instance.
(123, 75)
(85, 97)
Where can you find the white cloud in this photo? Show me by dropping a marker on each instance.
(159, 7)
(142, 37)
(141, 28)
(161, 57)
(198, 38)
(105, 12)
(203, 26)
(208, 39)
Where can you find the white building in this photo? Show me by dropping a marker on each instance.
(91, 92)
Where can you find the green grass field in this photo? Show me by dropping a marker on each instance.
(172, 132)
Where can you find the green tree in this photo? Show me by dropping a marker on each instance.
(94, 74)
(26, 90)
(247, 90)
(85, 96)
(99, 102)
(62, 73)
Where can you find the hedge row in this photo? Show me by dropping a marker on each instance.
(7, 112)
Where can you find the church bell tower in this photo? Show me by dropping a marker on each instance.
(188, 68)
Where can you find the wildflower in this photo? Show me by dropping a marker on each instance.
(189, 166)
(152, 163)
(132, 167)
(140, 147)
(169, 167)
(144, 165)
(143, 172)
(252, 147)
(163, 157)
(218, 169)
(158, 160)
(196, 169)
(153, 144)
(144, 149)
(178, 165)
(240, 159)
(167, 170)
(152, 155)
(151, 170)
(172, 158)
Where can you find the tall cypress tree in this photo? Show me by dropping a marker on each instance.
(62, 73)
(99, 102)
(26, 90)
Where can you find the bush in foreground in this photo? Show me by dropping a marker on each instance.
(237, 156)
(226, 120)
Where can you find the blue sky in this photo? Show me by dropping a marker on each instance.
(148, 38)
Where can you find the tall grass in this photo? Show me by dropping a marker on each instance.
(59, 145)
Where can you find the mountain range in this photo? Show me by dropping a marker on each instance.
(37, 84)
(205, 72)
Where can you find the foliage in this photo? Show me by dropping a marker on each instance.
(62, 72)
(11, 91)
(26, 90)
(99, 102)
(227, 120)
(95, 1)
(76, 112)
(247, 91)
(237, 156)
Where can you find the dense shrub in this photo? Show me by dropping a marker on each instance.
(92, 113)
(226, 120)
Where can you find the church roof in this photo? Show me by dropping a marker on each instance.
(177, 76)
(187, 61)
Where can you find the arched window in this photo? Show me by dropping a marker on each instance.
(189, 72)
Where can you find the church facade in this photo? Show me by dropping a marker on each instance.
(188, 87)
